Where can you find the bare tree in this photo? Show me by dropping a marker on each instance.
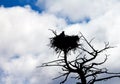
(86, 69)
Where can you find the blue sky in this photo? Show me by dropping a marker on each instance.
(24, 35)
(22, 3)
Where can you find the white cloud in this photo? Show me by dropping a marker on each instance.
(76, 10)
(24, 33)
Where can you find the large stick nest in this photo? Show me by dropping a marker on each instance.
(64, 42)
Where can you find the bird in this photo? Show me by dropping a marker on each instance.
(62, 34)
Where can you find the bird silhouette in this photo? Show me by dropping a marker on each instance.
(62, 34)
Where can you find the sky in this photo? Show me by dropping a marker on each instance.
(24, 35)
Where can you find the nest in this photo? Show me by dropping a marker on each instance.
(64, 42)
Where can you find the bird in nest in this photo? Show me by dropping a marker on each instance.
(64, 42)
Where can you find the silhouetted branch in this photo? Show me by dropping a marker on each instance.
(88, 42)
(105, 48)
(54, 32)
(106, 78)
(65, 78)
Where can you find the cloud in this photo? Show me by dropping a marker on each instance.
(24, 37)
(76, 10)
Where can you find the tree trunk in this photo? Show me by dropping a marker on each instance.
(65, 58)
(82, 77)
(80, 72)
(66, 62)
